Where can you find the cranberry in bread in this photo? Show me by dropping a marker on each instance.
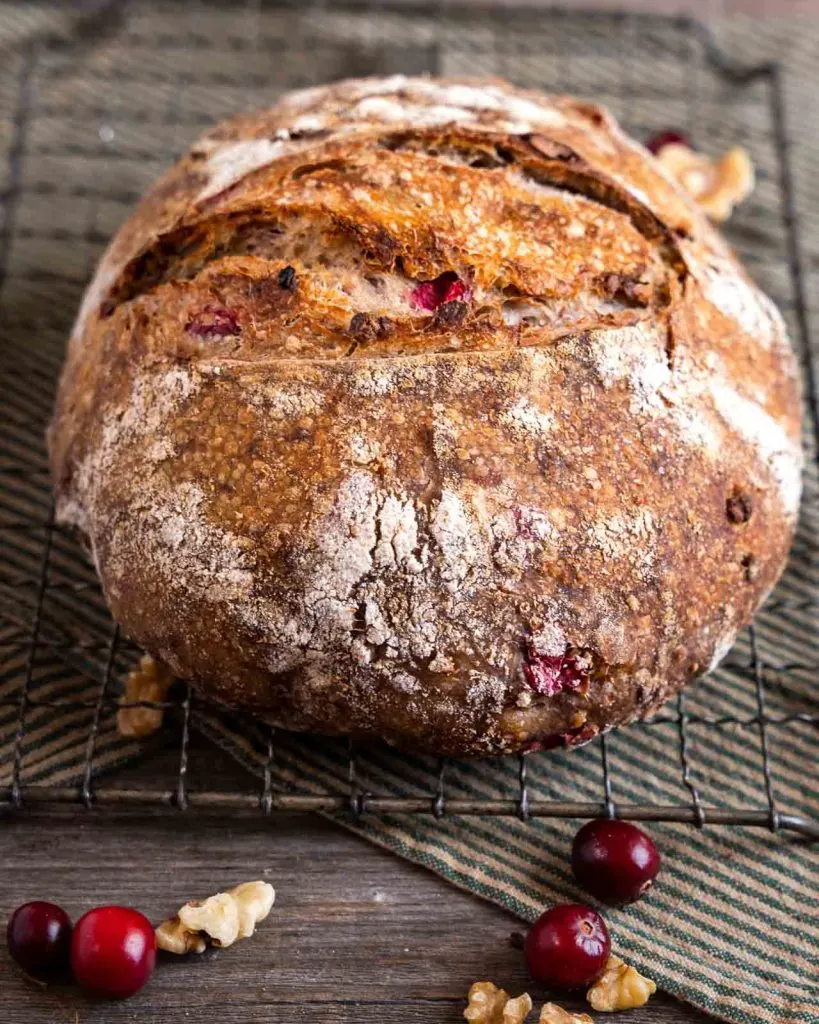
(431, 411)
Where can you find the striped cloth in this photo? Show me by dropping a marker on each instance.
(733, 925)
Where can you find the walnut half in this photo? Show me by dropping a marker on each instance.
(219, 920)
(150, 681)
(489, 1004)
(620, 987)
(554, 1014)
(716, 185)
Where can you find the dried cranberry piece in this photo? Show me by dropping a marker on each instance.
(667, 138)
(581, 735)
(553, 740)
(552, 674)
(457, 292)
(522, 526)
(450, 314)
(286, 278)
(424, 296)
(446, 287)
(550, 742)
(365, 327)
(738, 508)
(214, 320)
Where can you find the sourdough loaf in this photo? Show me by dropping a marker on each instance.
(431, 411)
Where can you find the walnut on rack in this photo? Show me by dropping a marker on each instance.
(717, 185)
(150, 681)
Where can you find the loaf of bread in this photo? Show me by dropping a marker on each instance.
(431, 411)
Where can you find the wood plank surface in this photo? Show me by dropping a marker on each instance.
(356, 935)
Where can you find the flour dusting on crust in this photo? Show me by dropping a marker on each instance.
(780, 454)
(524, 416)
(234, 161)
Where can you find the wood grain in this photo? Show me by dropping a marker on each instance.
(356, 936)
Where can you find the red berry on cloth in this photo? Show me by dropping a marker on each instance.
(39, 939)
(614, 860)
(113, 952)
(568, 946)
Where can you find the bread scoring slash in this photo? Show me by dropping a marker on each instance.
(432, 411)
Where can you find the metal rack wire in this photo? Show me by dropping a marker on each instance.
(60, 655)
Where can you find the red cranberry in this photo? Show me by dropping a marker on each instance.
(552, 674)
(614, 860)
(213, 320)
(568, 946)
(39, 939)
(668, 138)
(446, 287)
(113, 951)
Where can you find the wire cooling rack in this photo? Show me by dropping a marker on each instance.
(93, 104)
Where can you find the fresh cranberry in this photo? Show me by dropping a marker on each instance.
(113, 951)
(214, 320)
(39, 939)
(568, 946)
(551, 674)
(614, 860)
(668, 138)
(446, 287)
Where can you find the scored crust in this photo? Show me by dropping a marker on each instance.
(431, 411)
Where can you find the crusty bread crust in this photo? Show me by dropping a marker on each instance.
(431, 411)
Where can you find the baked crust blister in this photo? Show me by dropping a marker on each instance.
(431, 411)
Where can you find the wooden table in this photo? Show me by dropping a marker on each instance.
(356, 936)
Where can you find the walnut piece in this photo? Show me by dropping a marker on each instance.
(219, 920)
(716, 185)
(620, 987)
(150, 681)
(554, 1014)
(491, 1005)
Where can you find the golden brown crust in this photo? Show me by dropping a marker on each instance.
(430, 411)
